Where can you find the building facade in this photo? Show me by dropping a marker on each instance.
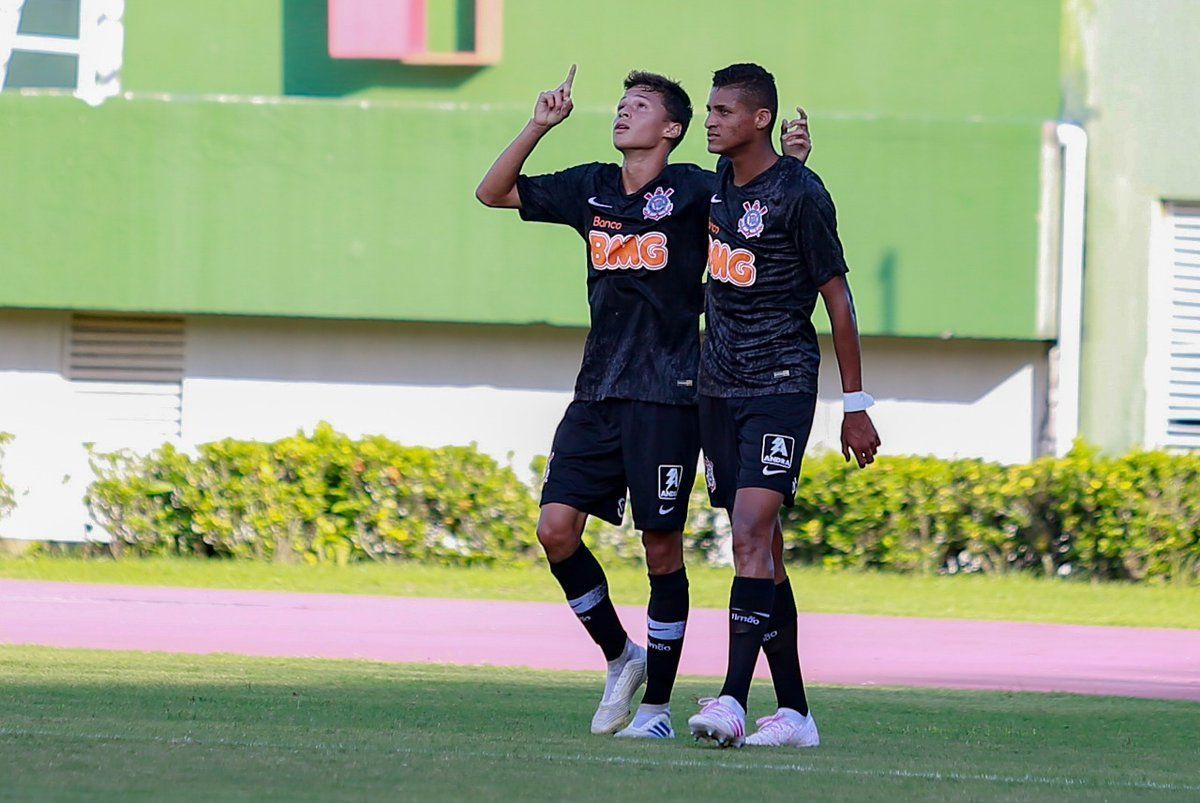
(213, 227)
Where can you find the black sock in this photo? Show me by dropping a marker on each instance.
(783, 654)
(586, 587)
(666, 618)
(750, 603)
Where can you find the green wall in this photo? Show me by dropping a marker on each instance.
(248, 173)
(1132, 76)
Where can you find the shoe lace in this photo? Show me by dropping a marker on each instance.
(765, 723)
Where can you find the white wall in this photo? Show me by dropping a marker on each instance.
(502, 387)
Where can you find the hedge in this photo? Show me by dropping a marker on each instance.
(322, 497)
(327, 497)
(7, 500)
(1132, 517)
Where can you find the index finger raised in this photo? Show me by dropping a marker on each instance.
(566, 85)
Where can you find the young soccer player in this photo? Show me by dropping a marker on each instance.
(773, 248)
(632, 427)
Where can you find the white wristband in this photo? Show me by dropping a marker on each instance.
(857, 401)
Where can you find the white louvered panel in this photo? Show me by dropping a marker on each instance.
(127, 373)
(1181, 399)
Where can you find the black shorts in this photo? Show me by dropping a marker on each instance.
(754, 442)
(602, 449)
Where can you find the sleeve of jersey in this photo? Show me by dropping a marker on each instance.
(554, 197)
(818, 237)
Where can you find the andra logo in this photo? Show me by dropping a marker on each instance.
(777, 450)
(628, 251)
(658, 204)
(669, 478)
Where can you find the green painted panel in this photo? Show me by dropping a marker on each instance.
(335, 209)
(1134, 68)
(914, 58)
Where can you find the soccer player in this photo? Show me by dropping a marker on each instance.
(632, 427)
(773, 248)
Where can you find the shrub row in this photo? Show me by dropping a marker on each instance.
(1132, 517)
(323, 497)
(328, 497)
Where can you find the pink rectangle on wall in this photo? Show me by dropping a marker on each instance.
(376, 29)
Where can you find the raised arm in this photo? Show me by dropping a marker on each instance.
(499, 185)
(859, 438)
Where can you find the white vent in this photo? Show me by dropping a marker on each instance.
(1173, 360)
(127, 373)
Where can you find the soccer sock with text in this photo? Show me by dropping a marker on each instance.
(583, 581)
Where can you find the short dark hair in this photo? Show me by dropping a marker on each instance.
(675, 100)
(756, 83)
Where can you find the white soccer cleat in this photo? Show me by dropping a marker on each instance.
(626, 674)
(657, 726)
(721, 720)
(786, 728)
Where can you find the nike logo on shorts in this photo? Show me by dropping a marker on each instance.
(768, 471)
(714, 200)
(663, 510)
(592, 200)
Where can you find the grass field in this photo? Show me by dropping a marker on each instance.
(119, 726)
(1013, 597)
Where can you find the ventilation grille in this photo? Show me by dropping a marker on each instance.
(128, 374)
(1183, 359)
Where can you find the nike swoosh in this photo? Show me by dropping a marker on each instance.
(594, 202)
(714, 200)
(662, 511)
(768, 471)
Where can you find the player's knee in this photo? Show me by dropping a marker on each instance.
(664, 552)
(559, 539)
(751, 541)
(747, 551)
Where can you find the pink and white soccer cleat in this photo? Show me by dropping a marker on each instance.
(786, 728)
(722, 720)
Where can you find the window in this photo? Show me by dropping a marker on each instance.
(1173, 344)
(62, 44)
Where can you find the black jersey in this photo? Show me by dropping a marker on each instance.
(645, 266)
(772, 243)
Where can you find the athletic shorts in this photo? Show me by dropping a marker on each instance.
(754, 442)
(605, 449)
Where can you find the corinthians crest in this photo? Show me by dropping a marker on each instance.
(751, 224)
(658, 204)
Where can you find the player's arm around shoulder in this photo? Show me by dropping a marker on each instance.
(498, 188)
(794, 136)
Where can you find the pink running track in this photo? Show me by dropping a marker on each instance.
(836, 649)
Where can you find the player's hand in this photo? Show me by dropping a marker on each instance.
(794, 137)
(859, 438)
(555, 106)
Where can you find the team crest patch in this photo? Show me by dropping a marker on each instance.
(709, 478)
(669, 478)
(658, 204)
(751, 223)
(777, 450)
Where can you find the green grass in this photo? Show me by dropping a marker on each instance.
(120, 726)
(1013, 597)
